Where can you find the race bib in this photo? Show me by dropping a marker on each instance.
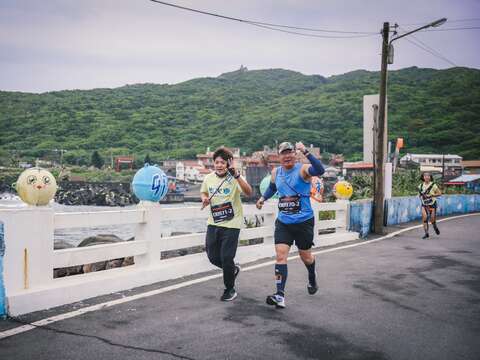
(222, 212)
(289, 204)
(427, 200)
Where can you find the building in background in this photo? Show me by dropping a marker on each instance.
(448, 165)
(469, 181)
(357, 168)
(471, 166)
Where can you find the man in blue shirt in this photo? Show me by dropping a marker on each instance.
(295, 221)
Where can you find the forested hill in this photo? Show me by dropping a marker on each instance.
(433, 110)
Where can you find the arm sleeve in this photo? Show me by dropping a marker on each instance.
(270, 191)
(316, 168)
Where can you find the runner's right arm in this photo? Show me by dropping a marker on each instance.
(269, 192)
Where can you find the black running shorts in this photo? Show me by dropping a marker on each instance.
(301, 234)
(432, 206)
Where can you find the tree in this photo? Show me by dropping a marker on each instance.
(147, 159)
(97, 160)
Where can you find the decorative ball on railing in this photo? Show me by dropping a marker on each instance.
(36, 186)
(264, 184)
(150, 183)
(343, 190)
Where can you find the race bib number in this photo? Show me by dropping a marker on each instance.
(222, 212)
(289, 204)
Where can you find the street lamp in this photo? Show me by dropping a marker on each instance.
(379, 194)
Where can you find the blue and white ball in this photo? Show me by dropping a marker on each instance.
(150, 183)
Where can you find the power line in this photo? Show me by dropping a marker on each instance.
(449, 21)
(431, 50)
(310, 35)
(454, 29)
(271, 26)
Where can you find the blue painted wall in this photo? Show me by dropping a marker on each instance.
(2, 288)
(361, 214)
(404, 209)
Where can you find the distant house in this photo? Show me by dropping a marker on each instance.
(357, 168)
(448, 165)
(207, 161)
(43, 163)
(471, 166)
(24, 165)
(469, 181)
(192, 170)
(331, 172)
(169, 167)
(433, 162)
(270, 158)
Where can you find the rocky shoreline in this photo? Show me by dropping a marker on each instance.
(99, 194)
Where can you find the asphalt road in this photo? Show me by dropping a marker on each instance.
(400, 298)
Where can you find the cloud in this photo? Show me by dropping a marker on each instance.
(111, 43)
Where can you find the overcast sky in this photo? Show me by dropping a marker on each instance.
(85, 44)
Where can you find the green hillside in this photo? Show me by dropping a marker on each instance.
(433, 110)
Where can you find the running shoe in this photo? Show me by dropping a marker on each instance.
(229, 295)
(312, 289)
(277, 300)
(437, 231)
(425, 236)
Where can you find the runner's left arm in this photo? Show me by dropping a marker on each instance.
(315, 169)
(244, 185)
(436, 191)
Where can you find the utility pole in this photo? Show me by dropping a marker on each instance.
(379, 170)
(379, 196)
(374, 132)
(443, 168)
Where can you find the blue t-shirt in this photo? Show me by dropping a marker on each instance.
(289, 185)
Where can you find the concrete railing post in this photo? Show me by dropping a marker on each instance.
(29, 237)
(269, 220)
(341, 215)
(149, 230)
(316, 215)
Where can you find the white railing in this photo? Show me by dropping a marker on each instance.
(30, 256)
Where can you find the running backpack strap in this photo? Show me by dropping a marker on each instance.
(427, 190)
(425, 198)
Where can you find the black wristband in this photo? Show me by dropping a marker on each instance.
(236, 177)
(305, 152)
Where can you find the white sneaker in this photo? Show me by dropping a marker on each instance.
(277, 300)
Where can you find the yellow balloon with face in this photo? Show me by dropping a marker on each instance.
(36, 186)
(343, 190)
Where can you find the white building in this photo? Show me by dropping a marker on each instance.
(191, 170)
(432, 162)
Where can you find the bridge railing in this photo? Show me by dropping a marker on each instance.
(30, 258)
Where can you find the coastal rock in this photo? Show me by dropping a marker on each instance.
(92, 193)
(97, 266)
